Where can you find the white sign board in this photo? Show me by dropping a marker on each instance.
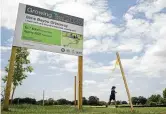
(42, 29)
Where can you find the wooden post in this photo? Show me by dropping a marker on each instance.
(43, 97)
(125, 82)
(75, 103)
(9, 78)
(80, 74)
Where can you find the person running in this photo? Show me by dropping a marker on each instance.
(112, 96)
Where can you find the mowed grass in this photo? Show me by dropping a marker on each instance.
(35, 109)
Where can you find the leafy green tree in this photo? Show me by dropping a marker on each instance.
(118, 102)
(63, 102)
(50, 101)
(101, 103)
(40, 102)
(142, 100)
(26, 100)
(163, 101)
(154, 99)
(84, 101)
(164, 93)
(21, 67)
(93, 100)
(135, 100)
(124, 102)
(152, 103)
(73, 102)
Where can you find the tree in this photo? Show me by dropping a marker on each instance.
(101, 103)
(93, 100)
(16, 101)
(84, 101)
(164, 93)
(73, 102)
(40, 102)
(63, 102)
(163, 101)
(21, 67)
(135, 100)
(154, 99)
(152, 103)
(124, 102)
(26, 100)
(118, 102)
(142, 100)
(50, 101)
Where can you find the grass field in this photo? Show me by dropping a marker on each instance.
(34, 109)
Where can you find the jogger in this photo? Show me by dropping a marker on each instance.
(112, 96)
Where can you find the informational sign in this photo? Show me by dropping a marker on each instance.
(47, 30)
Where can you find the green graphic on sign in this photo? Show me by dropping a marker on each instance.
(72, 40)
(41, 34)
(51, 36)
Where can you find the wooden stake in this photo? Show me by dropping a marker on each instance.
(75, 103)
(125, 82)
(9, 78)
(80, 74)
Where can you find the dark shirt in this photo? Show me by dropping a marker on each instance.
(113, 93)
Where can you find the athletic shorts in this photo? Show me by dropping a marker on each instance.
(112, 98)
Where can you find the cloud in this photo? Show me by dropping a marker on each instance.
(5, 48)
(89, 82)
(55, 91)
(102, 85)
(9, 11)
(92, 43)
(99, 29)
(3, 73)
(34, 56)
(130, 81)
(163, 82)
(70, 64)
(149, 7)
(31, 73)
(155, 57)
(105, 45)
(135, 35)
(146, 36)
(64, 93)
(31, 94)
(128, 16)
(53, 75)
(106, 83)
(130, 45)
(158, 92)
(53, 67)
(68, 90)
(139, 33)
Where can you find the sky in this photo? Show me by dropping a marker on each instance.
(134, 28)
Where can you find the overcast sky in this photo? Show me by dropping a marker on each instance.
(134, 28)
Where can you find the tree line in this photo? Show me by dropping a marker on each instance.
(153, 100)
(92, 100)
